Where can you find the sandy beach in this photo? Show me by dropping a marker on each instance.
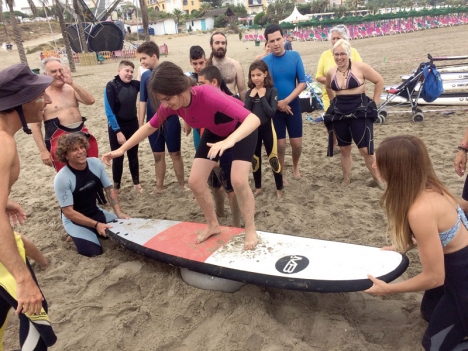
(122, 301)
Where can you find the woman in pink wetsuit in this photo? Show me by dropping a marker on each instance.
(227, 125)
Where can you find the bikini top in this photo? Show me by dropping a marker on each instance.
(351, 81)
(448, 235)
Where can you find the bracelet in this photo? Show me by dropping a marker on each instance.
(461, 148)
(95, 226)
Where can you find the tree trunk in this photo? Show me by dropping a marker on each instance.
(2, 19)
(144, 18)
(66, 41)
(33, 8)
(17, 35)
(79, 17)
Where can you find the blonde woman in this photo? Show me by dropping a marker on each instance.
(351, 114)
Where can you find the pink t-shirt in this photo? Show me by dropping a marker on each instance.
(210, 108)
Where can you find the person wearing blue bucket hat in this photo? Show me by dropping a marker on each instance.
(22, 101)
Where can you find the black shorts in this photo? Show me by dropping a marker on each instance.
(241, 151)
(361, 131)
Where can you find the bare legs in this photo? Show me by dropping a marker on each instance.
(240, 183)
(296, 150)
(346, 160)
(201, 169)
(160, 169)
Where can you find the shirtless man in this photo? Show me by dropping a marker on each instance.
(22, 101)
(230, 69)
(62, 116)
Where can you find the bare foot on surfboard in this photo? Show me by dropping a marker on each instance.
(209, 231)
(251, 240)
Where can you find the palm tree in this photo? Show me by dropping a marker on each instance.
(178, 15)
(144, 19)
(2, 19)
(66, 40)
(80, 17)
(33, 8)
(16, 32)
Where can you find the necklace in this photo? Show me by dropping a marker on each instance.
(345, 72)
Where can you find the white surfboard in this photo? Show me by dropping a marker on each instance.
(444, 76)
(280, 261)
(450, 85)
(453, 99)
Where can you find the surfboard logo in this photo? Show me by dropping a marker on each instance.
(291, 264)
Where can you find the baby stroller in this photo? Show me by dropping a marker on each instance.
(410, 90)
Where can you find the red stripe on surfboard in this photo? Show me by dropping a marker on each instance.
(179, 240)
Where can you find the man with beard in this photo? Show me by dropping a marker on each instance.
(230, 69)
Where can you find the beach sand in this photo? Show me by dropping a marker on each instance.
(122, 301)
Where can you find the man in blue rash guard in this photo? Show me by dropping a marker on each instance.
(120, 98)
(288, 74)
(75, 187)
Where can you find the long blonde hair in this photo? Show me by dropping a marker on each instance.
(404, 163)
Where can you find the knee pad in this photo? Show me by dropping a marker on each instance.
(255, 163)
(275, 164)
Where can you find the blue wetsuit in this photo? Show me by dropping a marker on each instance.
(170, 133)
(78, 188)
(287, 70)
(120, 105)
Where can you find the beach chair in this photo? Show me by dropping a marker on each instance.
(128, 54)
(117, 55)
(106, 54)
(261, 38)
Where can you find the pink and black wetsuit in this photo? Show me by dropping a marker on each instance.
(219, 114)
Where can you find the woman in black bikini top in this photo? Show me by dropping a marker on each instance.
(351, 114)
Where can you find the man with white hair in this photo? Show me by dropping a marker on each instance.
(22, 101)
(62, 116)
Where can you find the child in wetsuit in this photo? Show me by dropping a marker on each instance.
(262, 100)
(120, 98)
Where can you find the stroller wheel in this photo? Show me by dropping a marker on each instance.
(383, 113)
(418, 117)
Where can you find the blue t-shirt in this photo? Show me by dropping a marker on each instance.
(287, 70)
(287, 45)
(79, 187)
(144, 95)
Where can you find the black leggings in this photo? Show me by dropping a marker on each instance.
(445, 307)
(267, 135)
(117, 163)
(39, 335)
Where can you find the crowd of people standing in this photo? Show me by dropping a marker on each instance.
(230, 124)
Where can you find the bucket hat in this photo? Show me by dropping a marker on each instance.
(19, 85)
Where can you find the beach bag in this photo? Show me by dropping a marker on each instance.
(433, 86)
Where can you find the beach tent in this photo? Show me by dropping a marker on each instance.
(295, 17)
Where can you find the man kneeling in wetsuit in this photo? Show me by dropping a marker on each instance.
(76, 186)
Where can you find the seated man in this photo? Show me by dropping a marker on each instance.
(76, 186)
